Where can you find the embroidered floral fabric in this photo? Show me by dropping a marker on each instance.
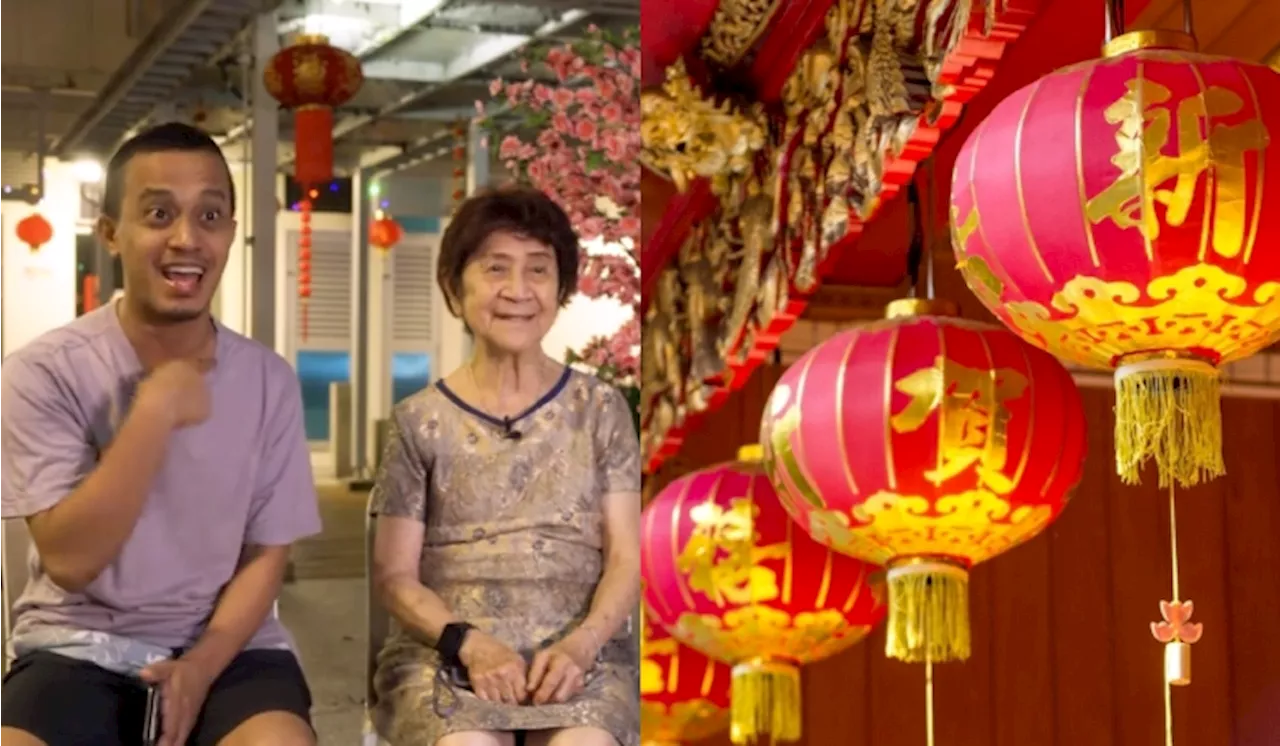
(513, 545)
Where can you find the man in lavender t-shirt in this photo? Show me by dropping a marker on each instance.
(160, 463)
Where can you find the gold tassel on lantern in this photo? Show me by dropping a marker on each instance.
(1168, 409)
(765, 702)
(928, 611)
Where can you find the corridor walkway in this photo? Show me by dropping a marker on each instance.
(325, 609)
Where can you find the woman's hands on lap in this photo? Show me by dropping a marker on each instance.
(559, 671)
(497, 672)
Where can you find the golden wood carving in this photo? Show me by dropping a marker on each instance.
(735, 28)
(686, 135)
(791, 181)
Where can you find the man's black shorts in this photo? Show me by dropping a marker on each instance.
(68, 702)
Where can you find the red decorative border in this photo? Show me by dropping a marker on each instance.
(967, 69)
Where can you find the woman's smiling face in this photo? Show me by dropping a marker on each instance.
(510, 292)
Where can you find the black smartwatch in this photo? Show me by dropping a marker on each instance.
(451, 639)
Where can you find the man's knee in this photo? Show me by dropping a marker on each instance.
(477, 738)
(271, 729)
(586, 736)
(16, 737)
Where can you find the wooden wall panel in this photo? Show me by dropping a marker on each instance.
(1063, 655)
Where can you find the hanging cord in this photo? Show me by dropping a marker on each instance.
(1188, 22)
(1114, 19)
(925, 212)
(915, 247)
(928, 702)
(1177, 598)
(1173, 541)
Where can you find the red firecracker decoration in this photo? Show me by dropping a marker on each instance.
(459, 166)
(385, 232)
(312, 78)
(34, 231)
(304, 260)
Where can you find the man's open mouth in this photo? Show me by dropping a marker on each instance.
(184, 278)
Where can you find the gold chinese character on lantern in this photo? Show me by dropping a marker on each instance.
(721, 559)
(973, 418)
(1206, 145)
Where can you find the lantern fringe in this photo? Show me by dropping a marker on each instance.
(928, 612)
(765, 702)
(1169, 411)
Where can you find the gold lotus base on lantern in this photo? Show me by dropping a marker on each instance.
(1169, 410)
(928, 611)
(765, 702)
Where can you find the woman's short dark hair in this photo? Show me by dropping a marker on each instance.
(519, 210)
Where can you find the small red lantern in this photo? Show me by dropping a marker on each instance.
(384, 233)
(311, 77)
(727, 574)
(684, 695)
(34, 231)
(927, 444)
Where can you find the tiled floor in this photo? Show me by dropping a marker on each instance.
(325, 609)
(327, 621)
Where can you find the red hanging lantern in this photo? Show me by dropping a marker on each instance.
(312, 78)
(34, 231)
(384, 233)
(1122, 214)
(927, 444)
(726, 573)
(684, 695)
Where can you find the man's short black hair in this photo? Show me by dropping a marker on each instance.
(168, 137)
(520, 210)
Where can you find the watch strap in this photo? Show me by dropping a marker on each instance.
(451, 639)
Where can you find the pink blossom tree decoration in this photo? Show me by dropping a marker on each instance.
(577, 139)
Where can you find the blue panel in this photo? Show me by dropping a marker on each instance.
(316, 370)
(410, 373)
(418, 224)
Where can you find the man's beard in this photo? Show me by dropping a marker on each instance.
(156, 315)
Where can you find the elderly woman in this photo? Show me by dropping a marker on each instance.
(508, 508)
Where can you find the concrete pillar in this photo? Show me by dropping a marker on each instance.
(360, 214)
(231, 301)
(378, 336)
(453, 347)
(477, 157)
(263, 153)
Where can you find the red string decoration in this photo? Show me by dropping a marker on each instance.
(304, 263)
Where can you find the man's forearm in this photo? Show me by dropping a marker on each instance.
(243, 606)
(83, 533)
(615, 599)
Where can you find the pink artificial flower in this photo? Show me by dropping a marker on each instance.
(510, 147)
(585, 129)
